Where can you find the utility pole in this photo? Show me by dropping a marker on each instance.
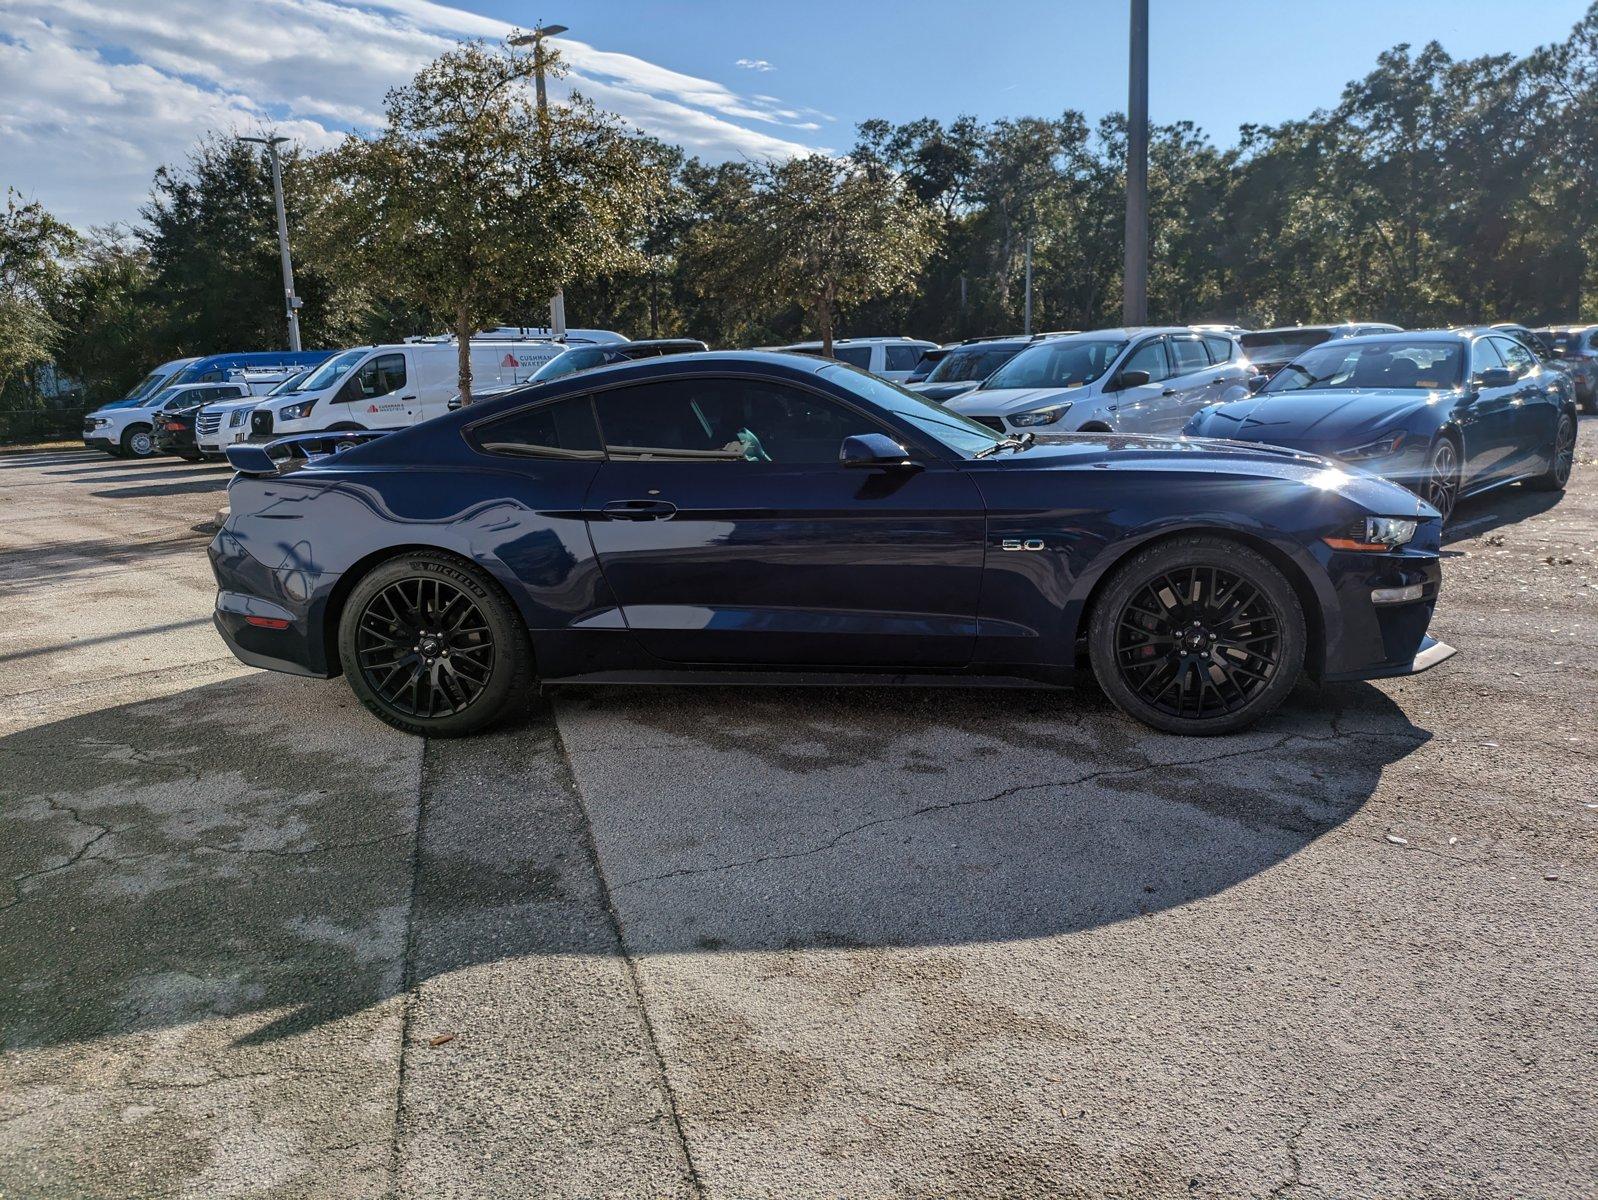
(535, 39)
(1026, 321)
(1135, 303)
(290, 301)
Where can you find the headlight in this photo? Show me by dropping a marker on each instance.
(1375, 534)
(99, 422)
(240, 415)
(1380, 448)
(297, 412)
(1041, 416)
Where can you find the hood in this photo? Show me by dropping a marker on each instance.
(1334, 418)
(1001, 402)
(243, 402)
(1205, 456)
(942, 392)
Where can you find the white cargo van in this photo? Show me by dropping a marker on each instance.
(391, 387)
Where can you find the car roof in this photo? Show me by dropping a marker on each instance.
(1411, 335)
(894, 339)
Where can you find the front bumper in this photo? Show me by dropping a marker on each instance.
(1372, 640)
(97, 442)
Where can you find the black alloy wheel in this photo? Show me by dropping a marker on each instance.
(432, 646)
(424, 647)
(1561, 460)
(1442, 477)
(1198, 635)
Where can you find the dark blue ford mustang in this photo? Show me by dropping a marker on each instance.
(1446, 414)
(760, 517)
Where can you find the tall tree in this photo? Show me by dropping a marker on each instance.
(472, 201)
(33, 248)
(818, 232)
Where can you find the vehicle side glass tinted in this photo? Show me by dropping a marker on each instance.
(562, 429)
(726, 420)
(1189, 354)
(1220, 348)
(1484, 356)
(902, 358)
(1516, 357)
(855, 356)
(1150, 357)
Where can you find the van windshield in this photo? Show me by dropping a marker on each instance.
(330, 372)
(293, 383)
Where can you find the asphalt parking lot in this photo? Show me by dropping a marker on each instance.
(784, 943)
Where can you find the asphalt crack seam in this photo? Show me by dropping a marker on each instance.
(409, 984)
(72, 860)
(1006, 794)
(591, 845)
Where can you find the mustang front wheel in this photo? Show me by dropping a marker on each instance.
(432, 646)
(1198, 635)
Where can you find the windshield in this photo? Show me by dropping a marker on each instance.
(1282, 344)
(334, 369)
(291, 384)
(143, 388)
(1400, 365)
(978, 362)
(947, 428)
(160, 398)
(568, 362)
(1061, 364)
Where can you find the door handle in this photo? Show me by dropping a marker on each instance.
(639, 510)
(407, 397)
(1168, 392)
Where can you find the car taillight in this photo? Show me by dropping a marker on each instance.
(267, 622)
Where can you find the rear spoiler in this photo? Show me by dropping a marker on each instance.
(272, 458)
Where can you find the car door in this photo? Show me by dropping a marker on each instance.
(1486, 417)
(1195, 382)
(376, 396)
(730, 534)
(1534, 410)
(1138, 409)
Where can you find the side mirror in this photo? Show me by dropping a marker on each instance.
(872, 450)
(1130, 379)
(1256, 382)
(1498, 377)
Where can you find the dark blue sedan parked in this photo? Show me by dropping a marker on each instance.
(758, 517)
(1445, 414)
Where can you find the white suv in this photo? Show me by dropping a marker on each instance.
(886, 357)
(126, 430)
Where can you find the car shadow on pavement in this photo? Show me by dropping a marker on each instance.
(1479, 515)
(217, 483)
(250, 847)
(47, 564)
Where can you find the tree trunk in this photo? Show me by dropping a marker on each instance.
(824, 323)
(463, 342)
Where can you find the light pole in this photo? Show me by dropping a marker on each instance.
(290, 300)
(535, 39)
(1135, 276)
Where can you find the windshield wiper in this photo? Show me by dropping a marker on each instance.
(1011, 442)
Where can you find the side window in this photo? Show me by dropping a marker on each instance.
(855, 356)
(563, 429)
(1150, 357)
(1484, 357)
(381, 375)
(902, 358)
(1516, 357)
(1189, 355)
(1220, 348)
(725, 420)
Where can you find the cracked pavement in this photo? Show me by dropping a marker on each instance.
(751, 942)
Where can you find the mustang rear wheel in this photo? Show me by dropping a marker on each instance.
(1199, 635)
(433, 647)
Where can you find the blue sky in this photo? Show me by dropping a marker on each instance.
(95, 94)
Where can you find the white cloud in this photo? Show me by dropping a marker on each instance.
(754, 64)
(95, 94)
